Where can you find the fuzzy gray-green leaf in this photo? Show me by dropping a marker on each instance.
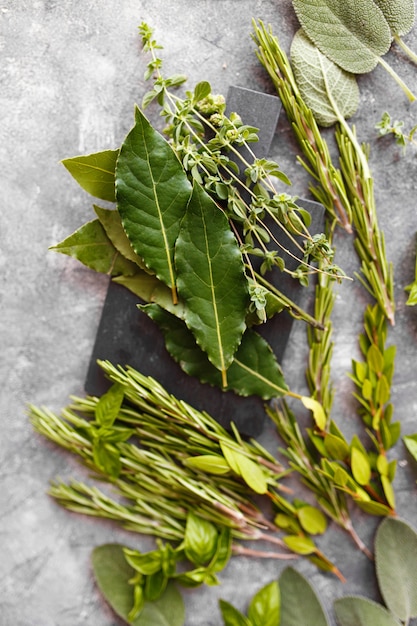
(395, 561)
(352, 33)
(299, 602)
(357, 611)
(400, 14)
(323, 84)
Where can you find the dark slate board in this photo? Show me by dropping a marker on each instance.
(126, 336)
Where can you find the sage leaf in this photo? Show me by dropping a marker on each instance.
(400, 14)
(112, 574)
(95, 173)
(152, 192)
(352, 33)
(299, 602)
(231, 616)
(395, 563)
(211, 280)
(357, 611)
(329, 91)
(91, 246)
(254, 370)
(112, 224)
(264, 609)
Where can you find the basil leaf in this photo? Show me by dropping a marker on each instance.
(200, 540)
(95, 173)
(211, 280)
(108, 406)
(254, 370)
(152, 192)
(91, 246)
(264, 609)
(352, 33)
(395, 562)
(231, 616)
(299, 602)
(410, 442)
(357, 611)
(328, 91)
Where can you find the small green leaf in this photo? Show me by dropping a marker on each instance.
(95, 173)
(200, 541)
(155, 585)
(91, 246)
(312, 520)
(201, 90)
(361, 468)
(264, 609)
(388, 491)
(317, 410)
(231, 616)
(357, 611)
(145, 563)
(109, 404)
(300, 544)
(375, 359)
(410, 442)
(299, 602)
(250, 471)
(395, 562)
(107, 458)
(336, 447)
(374, 508)
(210, 463)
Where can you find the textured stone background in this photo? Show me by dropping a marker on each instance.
(70, 74)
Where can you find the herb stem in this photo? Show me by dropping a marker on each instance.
(397, 78)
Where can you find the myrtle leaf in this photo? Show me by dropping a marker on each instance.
(352, 33)
(410, 442)
(254, 370)
(317, 410)
(251, 473)
(361, 468)
(328, 91)
(311, 519)
(211, 279)
(91, 246)
(152, 192)
(395, 562)
(95, 173)
(210, 463)
(300, 544)
(299, 602)
(357, 611)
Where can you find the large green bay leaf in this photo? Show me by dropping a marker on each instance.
(328, 90)
(112, 573)
(95, 173)
(358, 611)
(254, 370)
(152, 192)
(395, 562)
(400, 14)
(91, 246)
(151, 290)
(352, 33)
(112, 224)
(299, 602)
(211, 279)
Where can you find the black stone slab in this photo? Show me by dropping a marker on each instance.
(127, 336)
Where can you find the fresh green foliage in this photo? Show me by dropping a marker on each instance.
(152, 192)
(410, 442)
(387, 126)
(211, 280)
(95, 173)
(117, 581)
(331, 93)
(299, 603)
(353, 34)
(412, 288)
(263, 610)
(357, 611)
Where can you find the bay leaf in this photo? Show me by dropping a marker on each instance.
(95, 173)
(152, 192)
(112, 224)
(299, 602)
(91, 246)
(151, 290)
(357, 611)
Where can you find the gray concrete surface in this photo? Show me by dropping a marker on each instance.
(70, 74)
